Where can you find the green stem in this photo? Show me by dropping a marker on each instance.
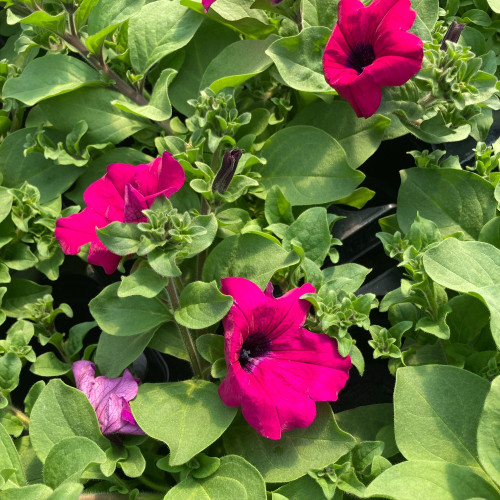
(19, 414)
(185, 333)
(151, 484)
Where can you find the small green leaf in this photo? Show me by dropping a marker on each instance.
(134, 464)
(277, 208)
(168, 340)
(144, 282)
(9, 459)
(210, 346)
(10, 368)
(45, 20)
(49, 365)
(120, 238)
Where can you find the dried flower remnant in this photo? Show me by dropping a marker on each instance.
(109, 397)
(227, 170)
(276, 368)
(370, 48)
(120, 195)
(453, 34)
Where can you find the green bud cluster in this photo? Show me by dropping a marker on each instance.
(486, 161)
(434, 159)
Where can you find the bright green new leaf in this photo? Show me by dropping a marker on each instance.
(144, 282)
(202, 305)
(111, 13)
(436, 413)
(49, 76)
(129, 315)
(179, 408)
(45, 20)
(311, 171)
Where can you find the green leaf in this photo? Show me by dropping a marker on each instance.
(455, 200)
(179, 409)
(316, 446)
(299, 59)
(202, 305)
(61, 412)
(49, 76)
(45, 20)
(114, 354)
(490, 233)
(5, 202)
(21, 292)
(68, 458)
(311, 230)
(359, 138)
(111, 13)
(310, 170)
(494, 5)
(235, 478)
(200, 242)
(144, 282)
(429, 424)
(32, 396)
(427, 10)
(9, 459)
(488, 433)
(83, 12)
(319, 13)
(249, 256)
(469, 267)
(134, 464)
(210, 346)
(467, 318)
(159, 107)
(349, 276)
(432, 481)
(157, 30)
(168, 340)
(106, 122)
(129, 315)
(10, 368)
(18, 256)
(67, 491)
(31, 492)
(236, 64)
(49, 365)
(277, 208)
(304, 488)
(210, 39)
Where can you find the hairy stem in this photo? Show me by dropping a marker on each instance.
(19, 414)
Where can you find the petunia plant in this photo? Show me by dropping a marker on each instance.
(214, 284)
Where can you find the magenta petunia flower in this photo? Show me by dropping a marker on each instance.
(120, 195)
(276, 368)
(207, 4)
(109, 397)
(370, 49)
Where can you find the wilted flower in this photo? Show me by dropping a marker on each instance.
(120, 195)
(227, 170)
(276, 369)
(109, 398)
(370, 49)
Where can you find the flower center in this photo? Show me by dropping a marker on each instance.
(255, 346)
(361, 56)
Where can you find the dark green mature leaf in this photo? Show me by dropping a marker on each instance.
(61, 412)
(427, 11)
(167, 339)
(359, 138)
(111, 13)
(319, 13)
(249, 256)
(431, 480)
(436, 413)
(235, 478)
(129, 315)
(179, 409)
(49, 76)
(106, 122)
(158, 29)
(21, 292)
(304, 488)
(202, 305)
(467, 318)
(299, 59)
(45, 20)
(31, 492)
(469, 267)
(455, 200)
(298, 450)
(308, 165)
(488, 433)
(210, 39)
(49, 365)
(9, 459)
(237, 63)
(10, 368)
(68, 458)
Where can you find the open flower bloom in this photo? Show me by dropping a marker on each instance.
(120, 195)
(370, 49)
(109, 398)
(276, 369)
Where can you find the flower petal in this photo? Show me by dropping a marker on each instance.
(391, 14)
(99, 255)
(134, 205)
(84, 373)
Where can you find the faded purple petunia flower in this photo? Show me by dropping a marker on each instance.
(109, 398)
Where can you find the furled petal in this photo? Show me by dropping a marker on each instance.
(134, 205)
(129, 425)
(84, 373)
(110, 414)
(162, 176)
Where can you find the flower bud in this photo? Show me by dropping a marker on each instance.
(453, 34)
(227, 170)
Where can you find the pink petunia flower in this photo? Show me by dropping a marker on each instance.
(109, 397)
(370, 49)
(276, 369)
(120, 195)
(207, 4)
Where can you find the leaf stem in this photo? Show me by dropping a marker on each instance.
(19, 414)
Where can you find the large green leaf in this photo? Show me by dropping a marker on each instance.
(298, 450)
(469, 267)
(236, 64)
(9, 459)
(455, 200)
(61, 412)
(249, 256)
(436, 413)
(430, 481)
(158, 29)
(319, 13)
(21, 292)
(359, 138)
(427, 11)
(49, 76)
(308, 165)
(111, 13)
(127, 315)
(105, 121)
(488, 433)
(188, 416)
(299, 59)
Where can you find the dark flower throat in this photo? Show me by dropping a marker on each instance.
(255, 346)
(361, 56)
